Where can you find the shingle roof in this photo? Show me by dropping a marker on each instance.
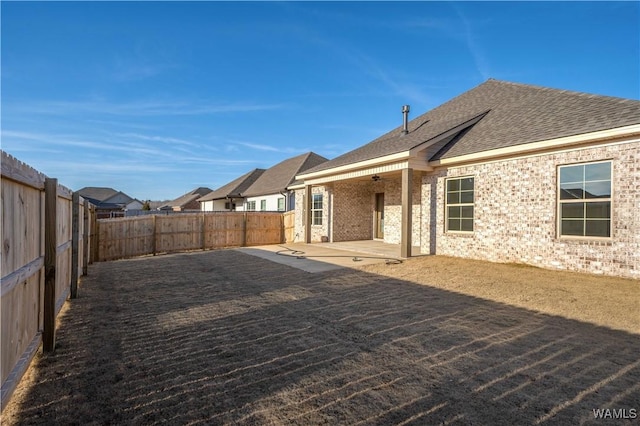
(234, 188)
(277, 178)
(121, 195)
(189, 197)
(515, 114)
(97, 192)
(154, 205)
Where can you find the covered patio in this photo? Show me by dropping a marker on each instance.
(378, 191)
(377, 210)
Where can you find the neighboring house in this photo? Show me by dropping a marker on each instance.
(187, 202)
(229, 197)
(269, 192)
(505, 172)
(134, 205)
(156, 205)
(109, 202)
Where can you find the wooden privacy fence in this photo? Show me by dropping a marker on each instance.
(46, 240)
(289, 224)
(144, 235)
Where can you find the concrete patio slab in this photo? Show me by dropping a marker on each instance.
(316, 258)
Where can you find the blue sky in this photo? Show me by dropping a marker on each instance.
(158, 98)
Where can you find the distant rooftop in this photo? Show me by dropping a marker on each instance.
(277, 178)
(235, 188)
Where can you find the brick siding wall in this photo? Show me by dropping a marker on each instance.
(353, 210)
(516, 214)
(317, 231)
(299, 216)
(392, 188)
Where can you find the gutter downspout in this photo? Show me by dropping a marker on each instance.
(286, 201)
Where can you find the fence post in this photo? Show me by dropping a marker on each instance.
(155, 235)
(202, 229)
(95, 237)
(85, 239)
(244, 229)
(50, 257)
(75, 242)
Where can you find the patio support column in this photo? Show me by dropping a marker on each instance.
(330, 208)
(407, 203)
(307, 214)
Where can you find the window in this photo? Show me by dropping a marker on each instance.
(263, 205)
(281, 204)
(316, 210)
(229, 206)
(251, 205)
(459, 204)
(585, 200)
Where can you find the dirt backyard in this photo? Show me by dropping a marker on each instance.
(223, 337)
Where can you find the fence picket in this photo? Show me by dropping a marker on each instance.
(41, 246)
(127, 237)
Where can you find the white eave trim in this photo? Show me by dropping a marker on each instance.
(550, 144)
(412, 163)
(356, 166)
(384, 168)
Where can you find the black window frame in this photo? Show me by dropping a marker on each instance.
(459, 202)
(582, 213)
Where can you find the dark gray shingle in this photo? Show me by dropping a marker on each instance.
(99, 193)
(189, 197)
(515, 114)
(235, 188)
(277, 178)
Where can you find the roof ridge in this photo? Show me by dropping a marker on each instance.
(556, 90)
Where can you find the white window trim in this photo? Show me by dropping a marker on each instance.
(321, 210)
(446, 205)
(559, 205)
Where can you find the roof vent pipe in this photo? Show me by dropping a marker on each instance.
(405, 119)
